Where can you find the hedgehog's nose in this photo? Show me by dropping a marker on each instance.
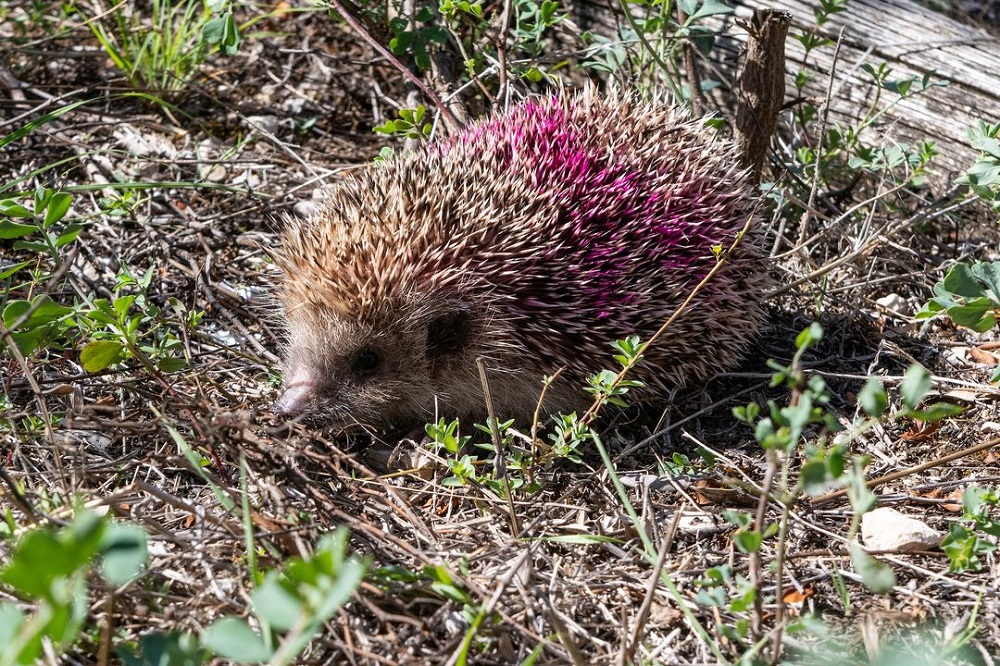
(295, 399)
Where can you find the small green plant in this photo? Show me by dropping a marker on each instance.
(130, 326)
(161, 51)
(807, 452)
(965, 544)
(846, 145)
(42, 227)
(605, 386)
(720, 588)
(291, 605)
(220, 30)
(532, 21)
(983, 177)
(114, 330)
(969, 294)
(569, 435)
(48, 569)
(409, 125)
(651, 47)
(417, 36)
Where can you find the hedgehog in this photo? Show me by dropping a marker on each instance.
(532, 239)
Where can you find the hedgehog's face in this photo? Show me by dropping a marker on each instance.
(388, 368)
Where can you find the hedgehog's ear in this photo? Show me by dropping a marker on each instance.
(448, 332)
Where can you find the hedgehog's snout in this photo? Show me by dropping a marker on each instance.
(294, 400)
(297, 396)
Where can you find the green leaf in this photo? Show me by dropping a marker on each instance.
(69, 234)
(11, 208)
(172, 649)
(877, 576)
(42, 120)
(45, 312)
(987, 144)
(171, 364)
(10, 270)
(232, 638)
(873, 399)
(710, 8)
(748, 541)
(916, 383)
(223, 32)
(977, 314)
(10, 229)
(214, 30)
(124, 553)
(43, 556)
(11, 620)
(276, 605)
(57, 207)
(809, 337)
(813, 477)
(961, 280)
(99, 354)
(936, 412)
(988, 273)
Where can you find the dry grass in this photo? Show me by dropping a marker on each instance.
(552, 585)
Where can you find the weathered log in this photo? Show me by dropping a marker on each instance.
(913, 40)
(761, 87)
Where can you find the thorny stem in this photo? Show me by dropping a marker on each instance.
(502, 52)
(691, 67)
(779, 575)
(535, 421)
(595, 407)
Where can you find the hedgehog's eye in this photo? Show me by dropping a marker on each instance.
(367, 361)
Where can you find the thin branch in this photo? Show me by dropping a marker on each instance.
(365, 34)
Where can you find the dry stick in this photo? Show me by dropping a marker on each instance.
(106, 631)
(821, 131)
(889, 229)
(762, 87)
(502, 52)
(691, 67)
(534, 423)
(779, 570)
(498, 459)
(353, 21)
(756, 576)
(916, 469)
(647, 603)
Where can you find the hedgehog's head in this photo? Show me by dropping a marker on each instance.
(387, 365)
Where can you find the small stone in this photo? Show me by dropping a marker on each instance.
(892, 303)
(268, 124)
(889, 530)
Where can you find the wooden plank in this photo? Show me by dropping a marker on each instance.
(910, 38)
(914, 41)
